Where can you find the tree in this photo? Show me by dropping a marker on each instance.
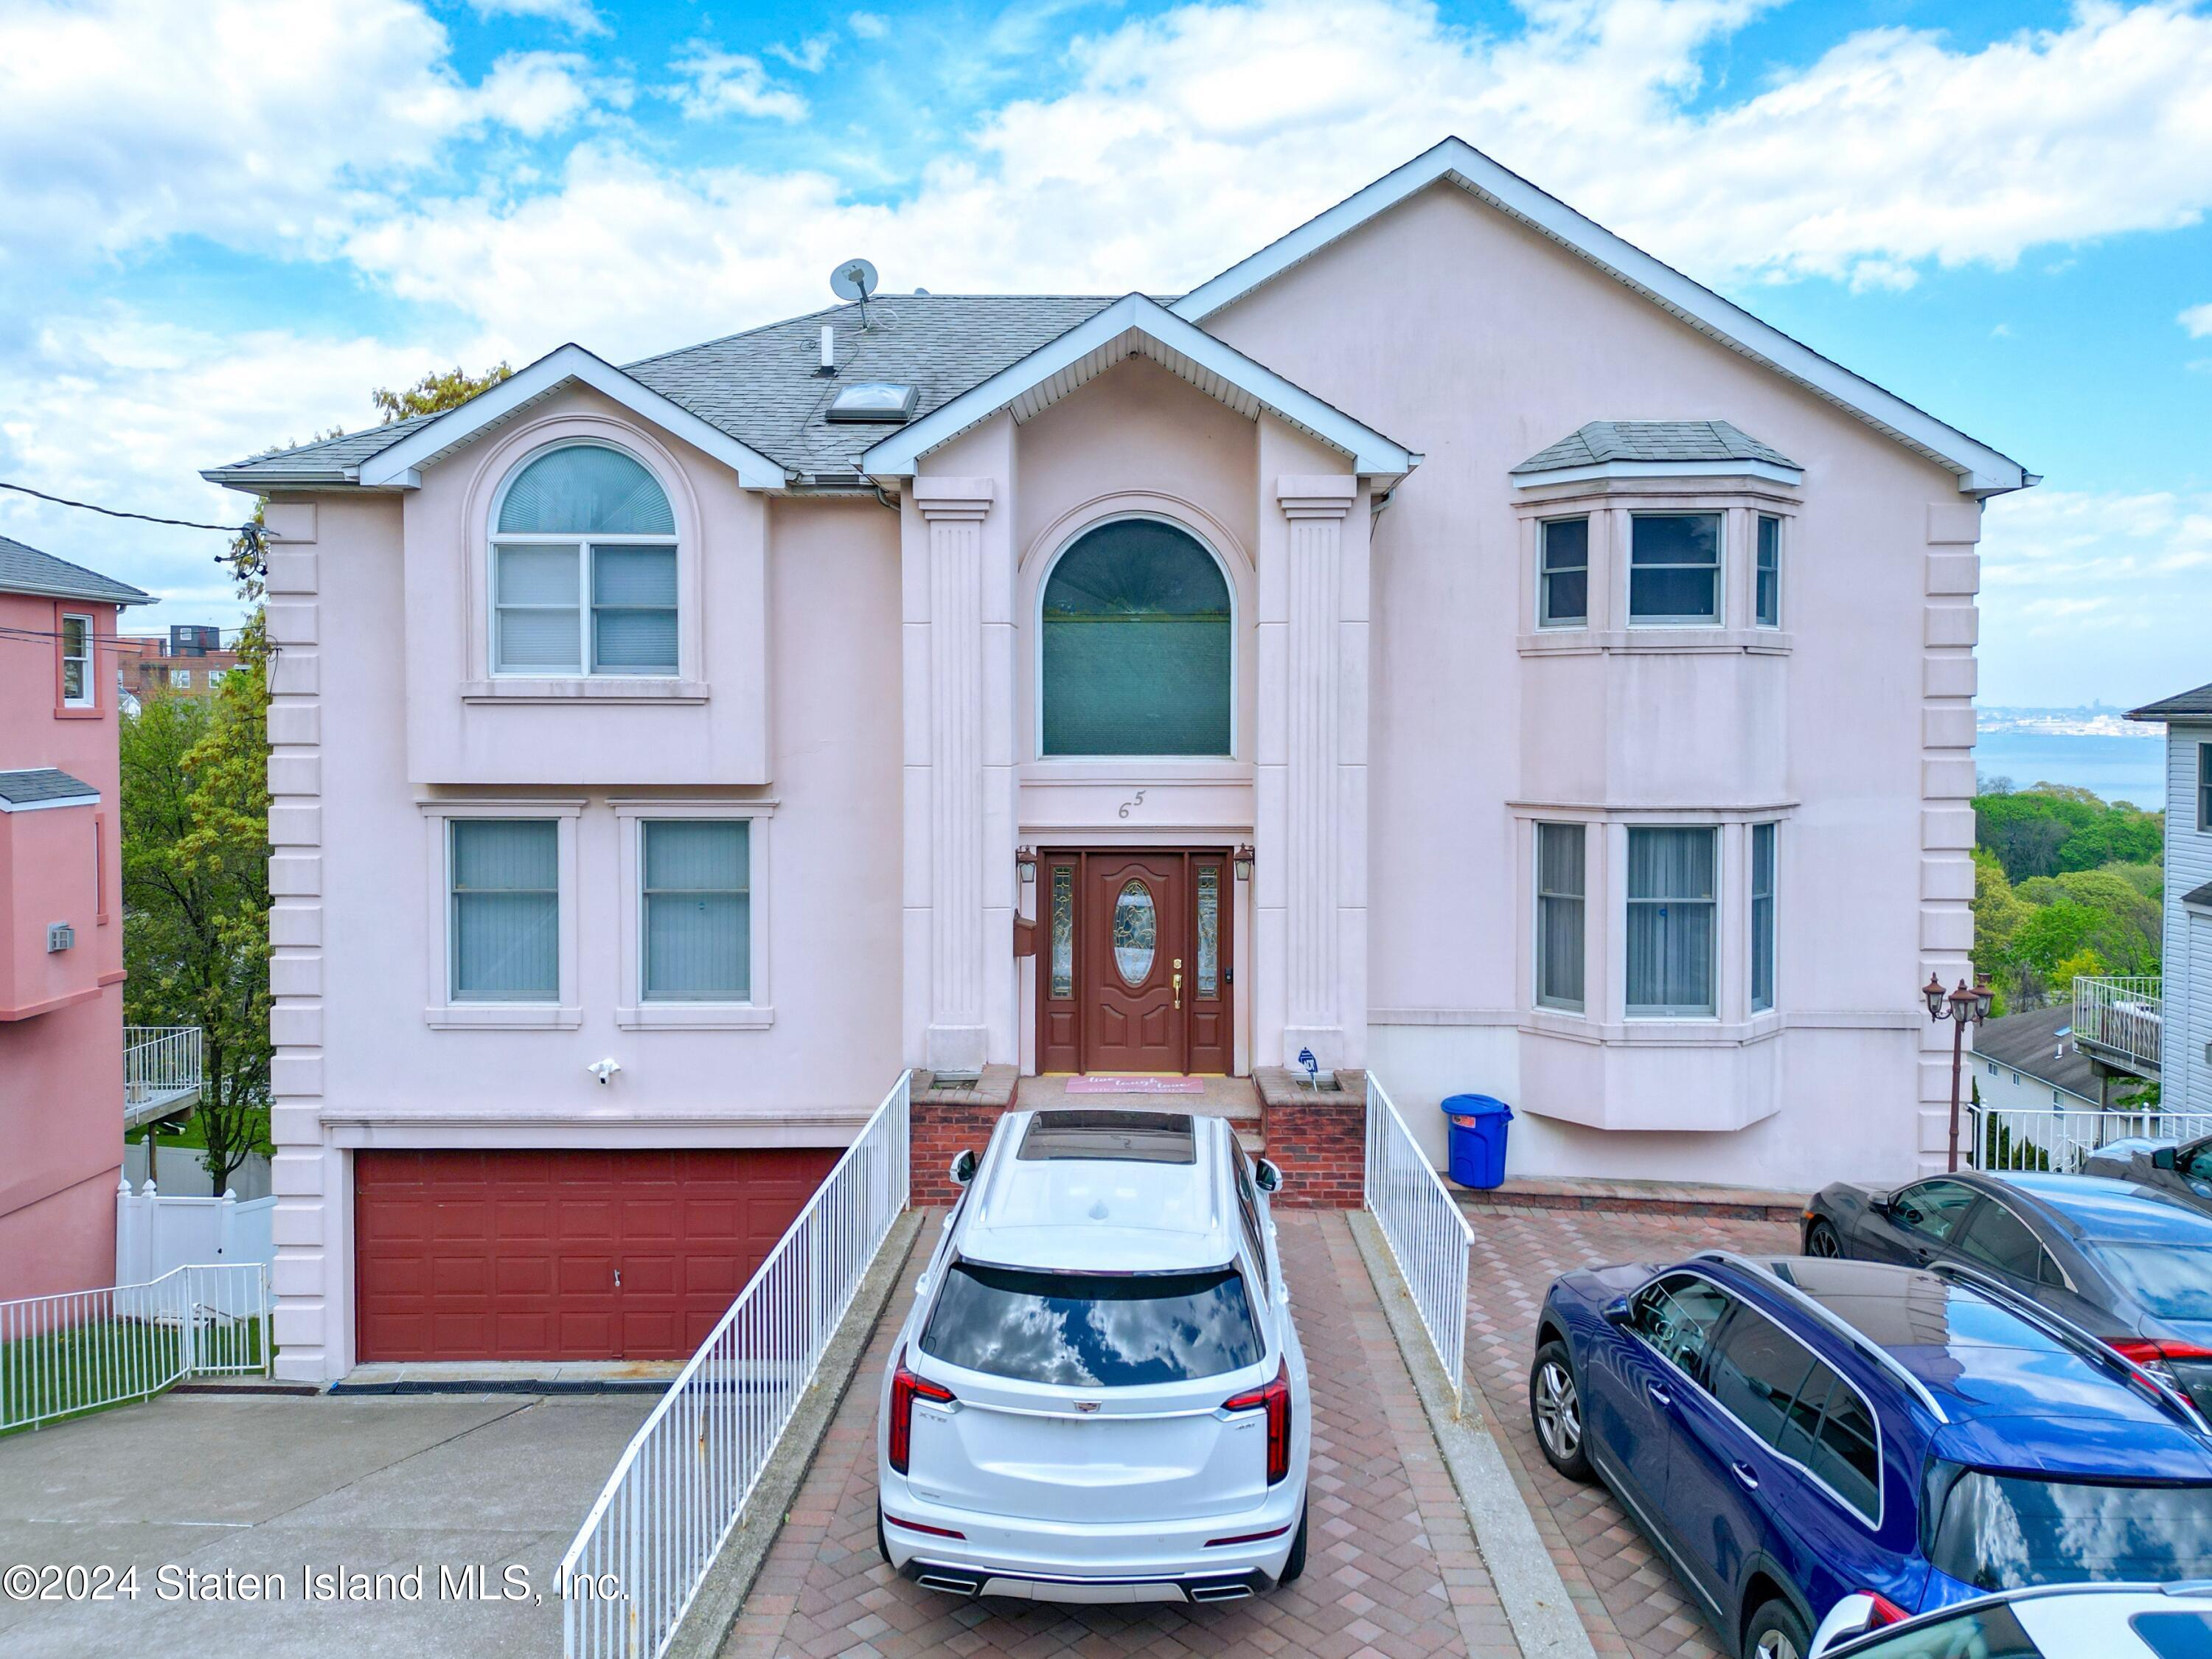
(436, 392)
(195, 813)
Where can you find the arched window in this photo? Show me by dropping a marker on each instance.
(583, 568)
(1136, 645)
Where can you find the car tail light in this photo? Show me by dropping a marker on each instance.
(1275, 1398)
(906, 1388)
(1884, 1611)
(2149, 1353)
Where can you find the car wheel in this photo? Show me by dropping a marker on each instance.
(883, 1544)
(1777, 1632)
(1555, 1407)
(1294, 1565)
(1820, 1239)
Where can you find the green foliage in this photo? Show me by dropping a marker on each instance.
(436, 390)
(2064, 884)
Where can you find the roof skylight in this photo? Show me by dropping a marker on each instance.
(885, 401)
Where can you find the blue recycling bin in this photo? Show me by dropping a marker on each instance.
(1476, 1130)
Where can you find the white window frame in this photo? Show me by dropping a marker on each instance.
(440, 1010)
(1236, 647)
(635, 1013)
(1581, 1003)
(1640, 1013)
(584, 545)
(1718, 615)
(1759, 523)
(1774, 916)
(89, 697)
(1544, 617)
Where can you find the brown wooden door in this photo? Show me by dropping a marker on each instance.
(1135, 963)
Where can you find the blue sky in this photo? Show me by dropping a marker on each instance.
(221, 224)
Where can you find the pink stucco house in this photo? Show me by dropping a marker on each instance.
(1449, 641)
(61, 924)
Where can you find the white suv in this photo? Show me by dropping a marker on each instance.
(1099, 1395)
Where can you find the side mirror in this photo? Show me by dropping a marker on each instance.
(963, 1168)
(1617, 1311)
(2162, 1158)
(1267, 1175)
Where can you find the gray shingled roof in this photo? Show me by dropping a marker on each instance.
(42, 783)
(2180, 707)
(2199, 896)
(2039, 1043)
(26, 570)
(1601, 442)
(762, 388)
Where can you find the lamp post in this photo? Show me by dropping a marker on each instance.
(1962, 1007)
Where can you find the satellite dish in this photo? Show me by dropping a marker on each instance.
(853, 279)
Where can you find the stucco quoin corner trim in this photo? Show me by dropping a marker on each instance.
(1136, 327)
(399, 466)
(1981, 470)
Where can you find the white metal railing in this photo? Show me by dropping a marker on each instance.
(1429, 1238)
(2001, 1138)
(80, 1350)
(158, 1061)
(684, 1480)
(2120, 1019)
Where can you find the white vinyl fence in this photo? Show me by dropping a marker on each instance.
(1429, 1238)
(78, 1352)
(683, 1482)
(155, 1233)
(2059, 1140)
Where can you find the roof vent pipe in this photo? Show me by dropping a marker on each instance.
(829, 349)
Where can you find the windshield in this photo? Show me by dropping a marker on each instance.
(2174, 1281)
(1093, 1330)
(2003, 1532)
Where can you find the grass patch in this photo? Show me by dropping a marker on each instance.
(59, 1374)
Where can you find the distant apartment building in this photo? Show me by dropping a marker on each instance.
(62, 1088)
(189, 660)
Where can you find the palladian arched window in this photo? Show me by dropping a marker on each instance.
(583, 568)
(1137, 654)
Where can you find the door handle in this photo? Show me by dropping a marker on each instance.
(1747, 1477)
(618, 1279)
(1178, 981)
(1659, 1396)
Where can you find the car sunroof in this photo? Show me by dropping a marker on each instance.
(1120, 1137)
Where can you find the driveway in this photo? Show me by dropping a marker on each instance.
(223, 1489)
(1393, 1570)
(1628, 1597)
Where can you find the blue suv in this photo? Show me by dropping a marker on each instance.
(1791, 1430)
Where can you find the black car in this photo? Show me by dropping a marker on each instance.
(2124, 1263)
(2179, 1169)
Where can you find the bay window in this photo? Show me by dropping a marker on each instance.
(1563, 584)
(1762, 917)
(1560, 886)
(1675, 568)
(1671, 922)
(1767, 575)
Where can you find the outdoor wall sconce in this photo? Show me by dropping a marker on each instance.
(1025, 865)
(1242, 862)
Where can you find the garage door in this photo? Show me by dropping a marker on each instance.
(563, 1254)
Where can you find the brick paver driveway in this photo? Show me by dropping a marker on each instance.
(1392, 1569)
(1626, 1594)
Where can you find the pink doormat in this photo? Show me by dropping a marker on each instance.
(1136, 1085)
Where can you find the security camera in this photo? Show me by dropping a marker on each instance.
(603, 1069)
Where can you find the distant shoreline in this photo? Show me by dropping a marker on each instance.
(2129, 768)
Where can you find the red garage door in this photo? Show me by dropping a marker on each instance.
(563, 1256)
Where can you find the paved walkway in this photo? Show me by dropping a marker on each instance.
(1393, 1571)
(207, 1484)
(1626, 1592)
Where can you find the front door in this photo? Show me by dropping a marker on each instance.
(1134, 971)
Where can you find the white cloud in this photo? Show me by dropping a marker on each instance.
(867, 26)
(535, 92)
(809, 55)
(577, 14)
(718, 82)
(2197, 319)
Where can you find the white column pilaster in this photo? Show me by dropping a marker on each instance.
(954, 755)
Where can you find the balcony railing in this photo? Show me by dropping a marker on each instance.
(2119, 1021)
(161, 1072)
(2060, 1142)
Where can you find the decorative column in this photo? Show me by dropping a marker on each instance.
(1313, 738)
(948, 883)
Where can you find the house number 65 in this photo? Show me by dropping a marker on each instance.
(1139, 800)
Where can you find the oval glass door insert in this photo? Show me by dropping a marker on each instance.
(1136, 932)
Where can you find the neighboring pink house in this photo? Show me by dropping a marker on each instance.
(1449, 642)
(61, 924)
